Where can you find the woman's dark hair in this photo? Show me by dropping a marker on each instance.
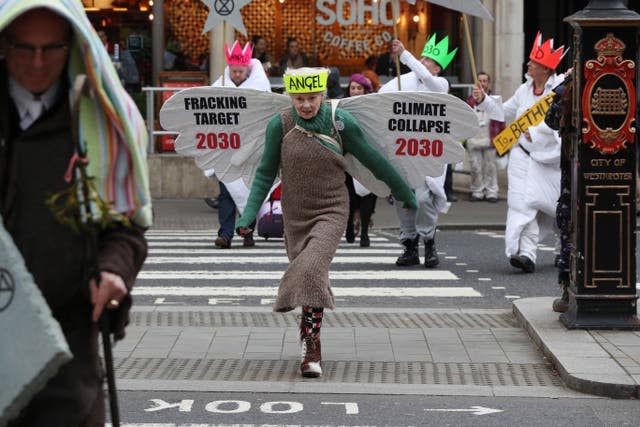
(255, 39)
(371, 61)
(260, 56)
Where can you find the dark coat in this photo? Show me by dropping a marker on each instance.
(387, 66)
(32, 166)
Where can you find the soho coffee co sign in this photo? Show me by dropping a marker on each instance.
(356, 12)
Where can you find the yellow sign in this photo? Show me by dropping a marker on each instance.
(316, 81)
(533, 116)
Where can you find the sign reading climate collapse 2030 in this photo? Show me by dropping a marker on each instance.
(419, 132)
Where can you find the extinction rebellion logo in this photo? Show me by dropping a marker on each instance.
(224, 7)
(7, 289)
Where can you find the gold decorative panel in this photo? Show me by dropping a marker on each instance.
(186, 20)
(328, 42)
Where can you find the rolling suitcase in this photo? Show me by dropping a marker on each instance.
(269, 220)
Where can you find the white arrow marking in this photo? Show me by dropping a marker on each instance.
(475, 410)
(272, 291)
(184, 405)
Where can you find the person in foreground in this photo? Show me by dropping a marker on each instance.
(307, 143)
(78, 277)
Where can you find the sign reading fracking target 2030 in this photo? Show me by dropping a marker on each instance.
(223, 128)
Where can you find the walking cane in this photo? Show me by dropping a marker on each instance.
(108, 362)
(80, 87)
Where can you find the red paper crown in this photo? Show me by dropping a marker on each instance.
(237, 55)
(543, 53)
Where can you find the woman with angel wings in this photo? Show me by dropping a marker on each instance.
(398, 137)
(306, 143)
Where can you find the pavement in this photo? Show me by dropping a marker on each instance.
(602, 362)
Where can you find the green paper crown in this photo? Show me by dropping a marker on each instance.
(439, 52)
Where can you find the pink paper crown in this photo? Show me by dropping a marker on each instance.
(543, 53)
(237, 55)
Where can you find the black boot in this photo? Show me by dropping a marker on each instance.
(430, 254)
(350, 234)
(364, 231)
(410, 255)
(561, 305)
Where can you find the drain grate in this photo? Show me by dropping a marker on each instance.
(370, 320)
(481, 374)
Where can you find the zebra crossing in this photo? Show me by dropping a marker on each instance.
(184, 268)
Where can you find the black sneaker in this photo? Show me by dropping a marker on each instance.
(222, 242)
(523, 263)
(212, 203)
(248, 241)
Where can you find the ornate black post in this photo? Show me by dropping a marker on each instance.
(602, 294)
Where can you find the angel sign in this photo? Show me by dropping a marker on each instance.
(389, 142)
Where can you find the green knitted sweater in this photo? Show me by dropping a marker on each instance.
(353, 141)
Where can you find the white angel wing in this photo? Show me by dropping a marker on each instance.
(418, 132)
(223, 128)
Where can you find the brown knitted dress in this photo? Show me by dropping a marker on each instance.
(315, 213)
(315, 201)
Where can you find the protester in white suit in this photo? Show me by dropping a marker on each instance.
(534, 162)
(242, 71)
(431, 197)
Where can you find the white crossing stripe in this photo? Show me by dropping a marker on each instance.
(212, 237)
(416, 274)
(259, 245)
(250, 251)
(272, 291)
(380, 260)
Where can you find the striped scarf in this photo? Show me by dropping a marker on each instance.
(111, 128)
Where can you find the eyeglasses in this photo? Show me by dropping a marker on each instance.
(27, 52)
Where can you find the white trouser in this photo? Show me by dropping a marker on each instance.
(522, 232)
(484, 176)
(422, 221)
